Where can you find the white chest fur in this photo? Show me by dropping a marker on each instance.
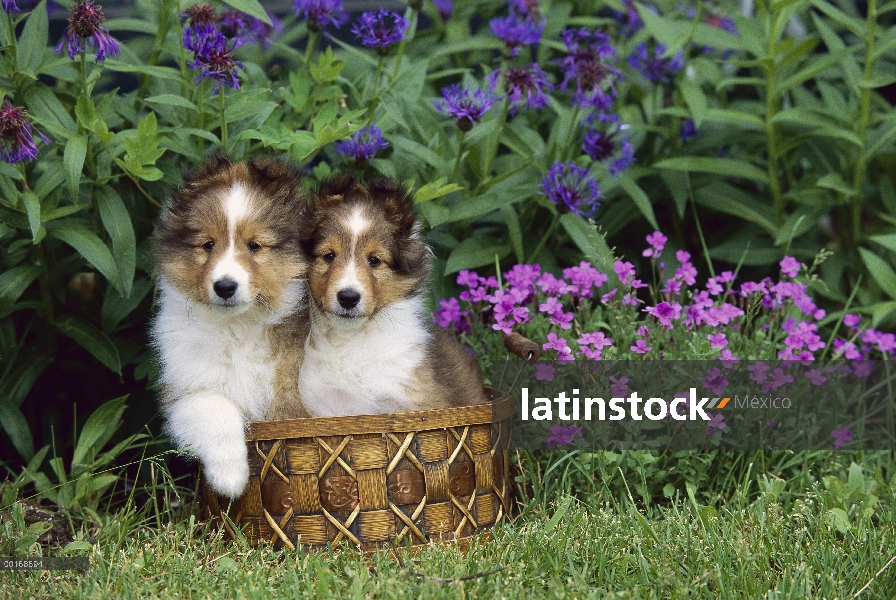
(366, 368)
(202, 350)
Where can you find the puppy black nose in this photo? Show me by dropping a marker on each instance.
(225, 288)
(348, 298)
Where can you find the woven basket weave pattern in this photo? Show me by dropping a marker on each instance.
(370, 489)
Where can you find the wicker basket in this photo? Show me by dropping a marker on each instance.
(374, 479)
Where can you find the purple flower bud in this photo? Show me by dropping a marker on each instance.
(466, 105)
(572, 189)
(364, 144)
(380, 29)
(320, 13)
(84, 30)
(16, 134)
(524, 86)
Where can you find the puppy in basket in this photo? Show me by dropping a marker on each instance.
(372, 347)
(231, 322)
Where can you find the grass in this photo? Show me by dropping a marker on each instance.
(774, 538)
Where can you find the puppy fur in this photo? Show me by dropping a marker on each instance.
(372, 347)
(231, 318)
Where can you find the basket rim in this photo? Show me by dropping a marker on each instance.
(500, 408)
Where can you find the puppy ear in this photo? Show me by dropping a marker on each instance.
(213, 166)
(397, 202)
(280, 181)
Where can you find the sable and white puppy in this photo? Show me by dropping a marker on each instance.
(372, 347)
(231, 322)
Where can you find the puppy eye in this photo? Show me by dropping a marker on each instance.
(254, 247)
(208, 246)
(374, 261)
(329, 257)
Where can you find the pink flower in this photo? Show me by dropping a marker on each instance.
(841, 437)
(717, 340)
(714, 381)
(641, 347)
(554, 343)
(563, 435)
(790, 266)
(716, 421)
(657, 242)
(727, 359)
(644, 331)
(619, 387)
(851, 320)
(544, 371)
(816, 376)
(665, 312)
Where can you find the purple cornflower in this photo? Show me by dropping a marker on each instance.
(688, 130)
(16, 134)
(234, 23)
(586, 66)
(563, 435)
(10, 6)
(84, 30)
(465, 105)
(655, 68)
(716, 421)
(641, 347)
(629, 18)
(841, 437)
(608, 145)
(657, 242)
(572, 189)
(525, 86)
(202, 13)
(515, 31)
(380, 29)
(544, 371)
(320, 13)
(527, 9)
(213, 57)
(790, 266)
(445, 8)
(263, 33)
(364, 144)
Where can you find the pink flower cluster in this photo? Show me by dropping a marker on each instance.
(568, 302)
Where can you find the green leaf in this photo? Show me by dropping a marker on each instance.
(117, 222)
(14, 282)
(90, 246)
(834, 181)
(75, 153)
(565, 504)
(725, 167)
(168, 73)
(250, 7)
(91, 339)
(887, 240)
(98, 430)
(639, 197)
(33, 42)
(19, 382)
(812, 69)
(513, 189)
(837, 518)
(591, 243)
(730, 200)
(475, 252)
(435, 189)
(695, 99)
(32, 209)
(76, 546)
(433, 213)
(856, 25)
(670, 32)
(881, 272)
(173, 100)
(16, 427)
(116, 307)
(514, 231)
(46, 110)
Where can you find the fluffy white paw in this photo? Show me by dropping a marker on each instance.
(228, 478)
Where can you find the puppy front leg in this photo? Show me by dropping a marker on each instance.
(212, 427)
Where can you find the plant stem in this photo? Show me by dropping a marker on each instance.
(544, 238)
(372, 103)
(771, 108)
(309, 48)
(84, 74)
(409, 14)
(460, 151)
(223, 123)
(712, 272)
(13, 50)
(864, 119)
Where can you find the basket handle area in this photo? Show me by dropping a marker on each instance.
(521, 346)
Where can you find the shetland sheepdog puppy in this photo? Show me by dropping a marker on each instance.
(231, 322)
(372, 347)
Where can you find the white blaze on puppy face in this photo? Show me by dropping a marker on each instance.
(236, 207)
(356, 225)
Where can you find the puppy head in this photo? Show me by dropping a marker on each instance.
(364, 248)
(228, 238)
